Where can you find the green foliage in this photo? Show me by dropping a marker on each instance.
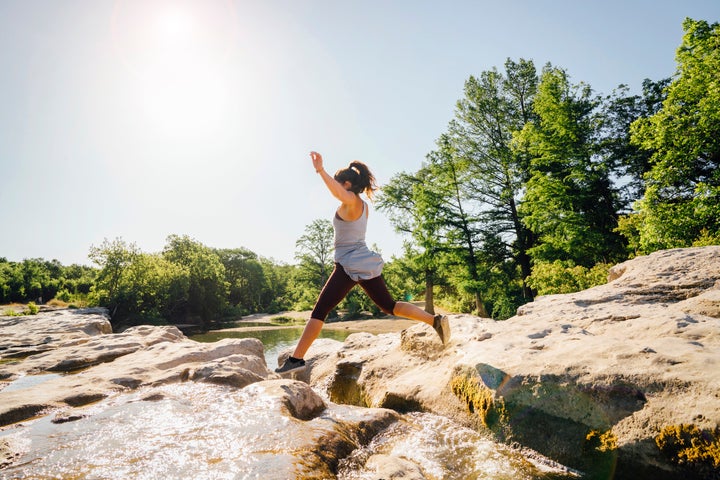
(187, 282)
(570, 203)
(682, 198)
(206, 286)
(63, 295)
(40, 280)
(32, 308)
(564, 276)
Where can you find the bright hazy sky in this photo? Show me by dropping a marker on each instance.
(145, 118)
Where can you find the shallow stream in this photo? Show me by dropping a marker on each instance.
(203, 431)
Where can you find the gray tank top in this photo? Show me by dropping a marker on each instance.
(351, 251)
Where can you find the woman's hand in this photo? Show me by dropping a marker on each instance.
(317, 161)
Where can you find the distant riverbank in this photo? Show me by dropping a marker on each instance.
(263, 321)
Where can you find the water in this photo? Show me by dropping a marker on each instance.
(442, 449)
(274, 340)
(203, 431)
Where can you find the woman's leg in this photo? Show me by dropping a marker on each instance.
(378, 293)
(335, 289)
(413, 312)
(311, 332)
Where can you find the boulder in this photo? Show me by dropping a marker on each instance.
(148, 402)
(274, 430)
(69, 358)
(591, 379)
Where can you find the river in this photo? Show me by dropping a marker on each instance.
(203, 431)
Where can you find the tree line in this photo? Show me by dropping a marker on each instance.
(537, 186)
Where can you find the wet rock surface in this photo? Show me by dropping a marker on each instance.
(589, 379)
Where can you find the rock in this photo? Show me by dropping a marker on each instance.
(27, 335)
(588, 379)
(104, 363)
(119, 397)
(192, 430)
(388, 467)
(297, 398)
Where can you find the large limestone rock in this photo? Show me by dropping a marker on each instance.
(589, 379)
(147, 402)
(274, 430)
(86, 363)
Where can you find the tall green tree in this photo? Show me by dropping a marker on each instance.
(629, 163)
(493, 107)
(570, 202)
(682, 197)
(207, 290)
(401, 200)
(314, 251)
(453, 217)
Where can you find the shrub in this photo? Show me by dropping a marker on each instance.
(601, 441)
(32, 308)
(566, 277)
(688, 445)
(63, 295)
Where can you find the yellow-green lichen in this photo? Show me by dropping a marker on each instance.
(601, 441)
(687, 444)
(473, 393)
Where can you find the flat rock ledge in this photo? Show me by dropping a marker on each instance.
(67, 366)
(597, 380)
(617, 381)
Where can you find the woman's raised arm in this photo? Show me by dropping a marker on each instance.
(336, 189)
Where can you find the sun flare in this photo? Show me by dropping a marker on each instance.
(177, 52)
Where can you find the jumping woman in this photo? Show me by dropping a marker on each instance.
(355, 263)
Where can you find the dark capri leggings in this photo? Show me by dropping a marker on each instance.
(339, 285)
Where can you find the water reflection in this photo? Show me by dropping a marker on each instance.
(274, 340)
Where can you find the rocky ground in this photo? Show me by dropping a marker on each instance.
(594, 380)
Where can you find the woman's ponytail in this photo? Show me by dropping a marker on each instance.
(359, 175)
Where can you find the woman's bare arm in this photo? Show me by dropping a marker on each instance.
(336, 189)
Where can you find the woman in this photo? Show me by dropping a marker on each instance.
(354, 262)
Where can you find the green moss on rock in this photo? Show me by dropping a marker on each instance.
(478, 398)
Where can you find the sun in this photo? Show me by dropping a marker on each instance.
(177, 53)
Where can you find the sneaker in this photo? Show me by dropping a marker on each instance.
(291, 365)
(441, 324)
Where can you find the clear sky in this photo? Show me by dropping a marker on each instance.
(144, 118)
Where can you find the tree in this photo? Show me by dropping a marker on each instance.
(492, 109)
(207, 290)
(401, 199)
(314, 250)
(570, 203)
(113, 259)
(628, 162)
(682, 198)
(450, 214)
(245, 277)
